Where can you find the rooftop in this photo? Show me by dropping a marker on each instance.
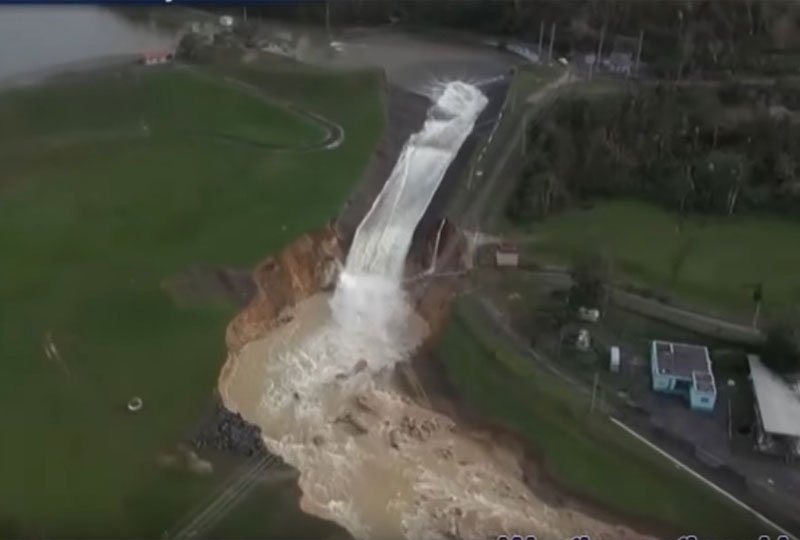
(778, 404)
(682, 360)
(703, 382)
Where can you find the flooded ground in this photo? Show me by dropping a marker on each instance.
(378, 463)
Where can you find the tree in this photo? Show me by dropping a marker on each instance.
(589, 275)
(781, 351)
(247, 32)
(192, 48)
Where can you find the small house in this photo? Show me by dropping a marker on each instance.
(156, 58)
(507, 255)
(684, 370)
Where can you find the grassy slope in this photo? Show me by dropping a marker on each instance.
(586, 454)
(723, 257)
(167, 99)
(88, 234)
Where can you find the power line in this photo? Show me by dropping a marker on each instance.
(218, 505)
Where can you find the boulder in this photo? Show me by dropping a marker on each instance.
(394, 439)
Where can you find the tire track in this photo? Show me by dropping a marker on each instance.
(334, 134)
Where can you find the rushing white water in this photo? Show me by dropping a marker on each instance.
(382, 240)
(369, 300)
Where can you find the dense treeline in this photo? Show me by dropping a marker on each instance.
(722, 149)
(681, 37)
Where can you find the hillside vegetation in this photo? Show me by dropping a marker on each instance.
(113, 184)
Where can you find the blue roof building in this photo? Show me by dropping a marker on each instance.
(684, 370)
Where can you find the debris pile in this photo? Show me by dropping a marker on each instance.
(227, 431)
(420, 430)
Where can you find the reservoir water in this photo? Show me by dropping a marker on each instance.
(38, 39)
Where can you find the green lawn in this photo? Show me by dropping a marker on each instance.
(721, 256)
(91, 229)
(530, 79)
(585, 453)
(167, 100)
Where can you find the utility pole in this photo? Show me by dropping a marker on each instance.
(469, 177)
(244, 13)
(594, 390)
(552, 40)
(328, 17)
(525, 122)
(599, 58)
(730, 420)
(758, 295)
(638, 53)
(541, 39)
(512, 91)
(599, 55)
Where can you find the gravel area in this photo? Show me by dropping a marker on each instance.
(227, 431)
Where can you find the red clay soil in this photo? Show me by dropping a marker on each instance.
(305, 267)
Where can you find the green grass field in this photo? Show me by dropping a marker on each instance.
(89, 231)
(584, 453)
(722, 257)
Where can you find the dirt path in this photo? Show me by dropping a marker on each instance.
(560, 277)
(334, 132)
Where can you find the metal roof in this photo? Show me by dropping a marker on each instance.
(778, 404)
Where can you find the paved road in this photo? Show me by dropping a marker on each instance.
(334, 132)
(762, 508)
(675, 315)
(494, 176)
(717, 479)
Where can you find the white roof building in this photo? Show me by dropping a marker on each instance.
(778, 404)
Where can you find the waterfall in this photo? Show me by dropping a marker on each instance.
(369, 298)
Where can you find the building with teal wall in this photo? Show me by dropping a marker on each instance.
(684, 370)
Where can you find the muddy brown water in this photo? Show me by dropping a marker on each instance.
(445, 398)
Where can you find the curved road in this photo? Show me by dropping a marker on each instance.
(333, 137)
